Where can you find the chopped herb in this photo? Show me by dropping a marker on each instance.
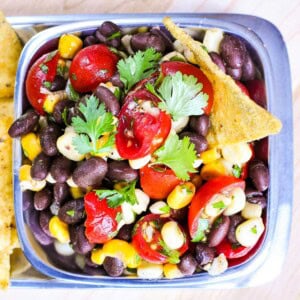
(95, 123)
(71, 213)
(236, 171)
(179, 155)
(117, 197)
(203, 225)
(74, 77)
(165, 209)
(64, 116)
(137, 67)
(50, 56)
(235, 246)
(254, 230)
(73, 94)
(61, 70)
(180, 95)
(219, 205)
(115, 35)
(119, 217)
(47, 84)
(44, 68)
(173, 255)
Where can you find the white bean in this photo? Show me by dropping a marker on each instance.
(150, 271)
(140, 162)
(237, 153)
(251, 210)
(238, 201)
(172, 235)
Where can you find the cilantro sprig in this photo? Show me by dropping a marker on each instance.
(180, 95)
(203, 225)
(137, 67)
(95, 123)
(115, 198)
(179, 155)
(173, 255)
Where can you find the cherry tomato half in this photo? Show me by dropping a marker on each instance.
(141, 130)
(171, 67)
(92, 65)
(212, 187)
(101, 222)
(158, 181)
(147, 240)
(41, 73)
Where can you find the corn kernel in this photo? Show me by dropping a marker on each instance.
(59, 230)
(210, 155)
(76, 192)
(213, 169)
(119, 249)
(172, 271)
(52, 99)
(69, 45)
(181, 195)
(31, 145)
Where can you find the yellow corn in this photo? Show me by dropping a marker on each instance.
(69, 45)
(52, 99)
(181, 195)
(210, 155)
(31, 145)
(172, 271)
(27, 182)
(213, 169)
(59, 230)
(117, 248)
(76, 192)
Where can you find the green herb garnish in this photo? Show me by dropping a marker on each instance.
(203, 225)
(236, 171)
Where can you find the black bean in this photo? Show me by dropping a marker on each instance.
(90, 173)
(40, 166)
(59, 108)
(217, 59)
(233, 51)
(44, 220)
(61, 169)
(58, 83)
(61, 192)
(261, 200)
(42, 199)
(72, 211)
(109, 28)
(27, 200)
(90, 40)
(188, 264)
(179, 215)
(235, 220)
(204, 254)
(100, 37)
(108, 98)
(110, 34)
(248, 69)
(79, 241)
(236, 74)
(24, 124)
(145, 40)
(200, 124)
(218, 231)
(164, 36)
(94, 271)
(259, 175)
(252, 192)
(198, 140)
(121, 171)
(125, 232)
(48, 138)
(37, 231)
(116, 81)
(113, 266)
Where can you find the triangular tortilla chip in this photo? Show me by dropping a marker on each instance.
(235, 117)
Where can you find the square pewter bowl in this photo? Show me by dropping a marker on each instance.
(270, 49)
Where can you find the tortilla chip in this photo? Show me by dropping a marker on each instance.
(235, 117)
(5, 269)
(7, 107)
(10, 49)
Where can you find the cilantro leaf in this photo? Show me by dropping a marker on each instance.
(236, 171)
(173, 255)
(220, 205)
(117, 197)
(137, 67)
(202, 227)
(179, 155)
(165, 209)
(180, 96)
(95, 123)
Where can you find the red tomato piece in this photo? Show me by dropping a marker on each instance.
(41, 73)
(232, 251)
(242, 87)
(257, 91)
(202, 197)
(171, 67)
(101, 222)
(150, 247)
(141, 132)
(92, 65)
(158, 181)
